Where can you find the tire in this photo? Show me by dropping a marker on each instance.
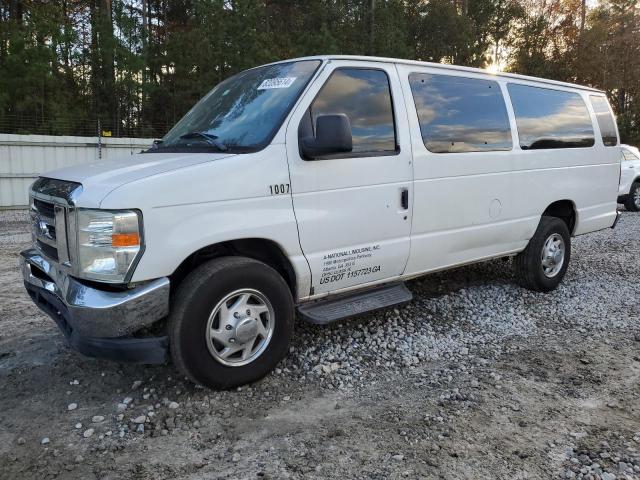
(198, 338)
(530, 271)
(632, 202)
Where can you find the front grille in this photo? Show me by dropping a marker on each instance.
(46, 209)
(52, 205)
(43, 216)
(48, 250)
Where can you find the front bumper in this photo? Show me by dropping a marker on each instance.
(99, 323)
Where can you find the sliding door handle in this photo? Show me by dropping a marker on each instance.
(404, 198)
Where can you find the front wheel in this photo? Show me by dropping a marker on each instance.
(231, 322)
(542, 265)
(632, 202)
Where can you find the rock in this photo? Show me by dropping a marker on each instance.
(607, 476)
(140, 428)
(140, 419)
(121, 407)
(236, 457)
(78, 426)
(44, 441)
(88, 432)
(72, 406)
(127, 400)
(97, 419)
(136, 384)
(79, 459)
(174, 405)
(398, 457)
(21, 441)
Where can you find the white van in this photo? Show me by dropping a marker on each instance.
(316, 185)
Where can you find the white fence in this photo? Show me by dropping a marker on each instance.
(24, 157)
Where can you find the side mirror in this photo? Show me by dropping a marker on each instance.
(333, 135)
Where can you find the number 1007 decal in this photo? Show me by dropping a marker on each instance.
(279, 189)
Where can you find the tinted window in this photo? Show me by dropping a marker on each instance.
(550, 118)
(460, 114)
(605, 120)
(364, 96)
(244, 111)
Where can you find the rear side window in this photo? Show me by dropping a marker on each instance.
(630, 156)
(458, 114)
(605, 120)
(364, 96)
(549, 118)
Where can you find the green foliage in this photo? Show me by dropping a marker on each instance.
(137, 66)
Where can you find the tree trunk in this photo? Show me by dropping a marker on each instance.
(102, 62)
(372, 28)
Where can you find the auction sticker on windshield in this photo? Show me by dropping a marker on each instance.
(281, 82)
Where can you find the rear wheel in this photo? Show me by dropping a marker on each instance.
(632, 203)
(542, 265)
(231, 322)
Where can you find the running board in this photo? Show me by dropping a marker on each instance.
(323, 312)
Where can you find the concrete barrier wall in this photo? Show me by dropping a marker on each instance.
(24, 157)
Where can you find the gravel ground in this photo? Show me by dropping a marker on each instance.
(476, 378)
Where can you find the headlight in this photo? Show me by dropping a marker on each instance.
(108, 243)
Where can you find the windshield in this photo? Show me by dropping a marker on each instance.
(243, 112)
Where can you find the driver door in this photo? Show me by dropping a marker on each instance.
(353, 209)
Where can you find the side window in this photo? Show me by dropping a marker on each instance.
(364, 96)
(629, 155)
(549, 118)
(458, 114)
(605, 120)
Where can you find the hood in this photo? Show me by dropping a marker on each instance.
(100, 178)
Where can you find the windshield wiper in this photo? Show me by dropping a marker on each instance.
(208, 137)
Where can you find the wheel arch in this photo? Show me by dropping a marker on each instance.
(261, 249)
(564, 210)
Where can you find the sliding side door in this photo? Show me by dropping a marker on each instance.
(462, 168)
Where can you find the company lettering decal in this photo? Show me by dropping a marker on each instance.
(280, 82)
(337, 266)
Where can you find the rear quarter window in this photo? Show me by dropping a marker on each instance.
(548, 118)
(606, 122)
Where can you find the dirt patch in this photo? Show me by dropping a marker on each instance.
(475, 379)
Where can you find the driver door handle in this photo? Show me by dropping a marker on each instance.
(404, 198)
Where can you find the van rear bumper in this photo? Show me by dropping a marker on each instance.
(95, 322)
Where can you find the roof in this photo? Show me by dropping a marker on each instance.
(442, 66)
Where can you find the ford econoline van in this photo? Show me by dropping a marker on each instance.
(315, 187)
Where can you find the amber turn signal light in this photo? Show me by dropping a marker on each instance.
(125, 240)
